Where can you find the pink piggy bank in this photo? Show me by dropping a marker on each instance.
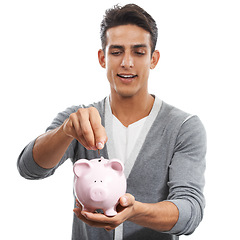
(99, 183)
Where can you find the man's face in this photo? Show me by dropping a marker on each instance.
(128, 60)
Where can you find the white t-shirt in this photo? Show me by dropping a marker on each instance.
(125, 137)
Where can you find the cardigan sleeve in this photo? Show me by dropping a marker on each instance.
(28, 168)
(186, 176)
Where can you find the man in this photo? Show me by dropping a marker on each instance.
(162, 147)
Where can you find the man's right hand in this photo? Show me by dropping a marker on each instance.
(85, 126)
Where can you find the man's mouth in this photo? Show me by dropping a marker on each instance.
(127, 76)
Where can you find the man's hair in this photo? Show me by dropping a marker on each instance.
(128, 14)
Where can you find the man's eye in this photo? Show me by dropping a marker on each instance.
(140, 53)
(116, 53)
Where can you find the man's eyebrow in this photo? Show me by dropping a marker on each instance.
(116, 46)
(139, 46)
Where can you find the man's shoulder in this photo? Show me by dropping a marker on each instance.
(172, 113)
(175, 118)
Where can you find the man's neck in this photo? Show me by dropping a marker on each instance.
(131, 109)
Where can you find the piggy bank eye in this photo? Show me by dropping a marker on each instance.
(95, 181)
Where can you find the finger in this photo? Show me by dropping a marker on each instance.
(87, 135)
(77, 133)
(103, 221)
(77, 212)
(78, 204)
(100, 135)
(74, 126)
(99, 219)
(86, 127)
(86, 217)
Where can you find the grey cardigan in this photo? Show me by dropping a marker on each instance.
(169, 166)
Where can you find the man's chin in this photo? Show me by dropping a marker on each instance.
(126, 94)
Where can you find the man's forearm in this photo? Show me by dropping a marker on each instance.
(50, 147)
(160, 216)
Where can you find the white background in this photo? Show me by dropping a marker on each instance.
(48, 61)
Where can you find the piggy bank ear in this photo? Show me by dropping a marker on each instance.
(81, 166)
(116, 165)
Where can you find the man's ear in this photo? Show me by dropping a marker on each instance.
(101, 58)
(155, 59)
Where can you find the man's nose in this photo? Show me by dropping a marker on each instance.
(127, 61)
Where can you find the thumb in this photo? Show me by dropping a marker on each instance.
(127, 200)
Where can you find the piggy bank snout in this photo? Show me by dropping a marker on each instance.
(98, 193)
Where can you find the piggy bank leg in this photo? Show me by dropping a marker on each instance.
(110, 212)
